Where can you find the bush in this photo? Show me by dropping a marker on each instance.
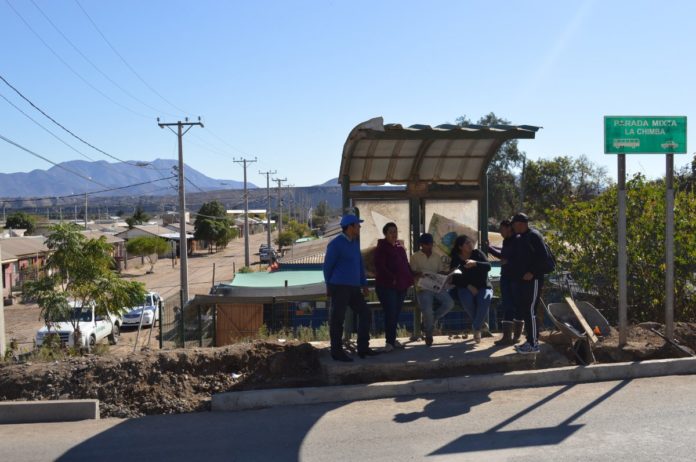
(585, 243)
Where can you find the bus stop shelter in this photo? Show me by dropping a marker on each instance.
(410, 174)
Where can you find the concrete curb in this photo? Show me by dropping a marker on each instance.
(14, 412)
(255, 399)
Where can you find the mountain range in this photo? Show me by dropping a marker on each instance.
(132, 178)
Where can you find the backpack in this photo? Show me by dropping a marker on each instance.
(548, 264)
(548, 261)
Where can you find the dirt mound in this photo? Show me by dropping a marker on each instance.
(163, 382)
(641, 343)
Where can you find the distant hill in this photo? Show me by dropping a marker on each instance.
(152, 178)
(331, 182)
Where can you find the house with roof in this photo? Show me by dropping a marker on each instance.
(22, 260)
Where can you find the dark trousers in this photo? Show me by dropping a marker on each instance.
(507, 298)
(341, 298)
(392, 300)
(526, 295)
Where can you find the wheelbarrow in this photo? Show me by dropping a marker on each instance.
(567, 323)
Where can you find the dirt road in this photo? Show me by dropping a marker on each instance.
(22, 320)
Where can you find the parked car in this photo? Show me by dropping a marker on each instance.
(268, 255)
(93, 328)
(149, 310)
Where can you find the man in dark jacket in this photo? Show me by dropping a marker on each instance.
(511, 330)
(527, 274)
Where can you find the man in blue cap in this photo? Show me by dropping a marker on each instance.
(346, 285)
(424, 262)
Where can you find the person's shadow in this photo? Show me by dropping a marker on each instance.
(439, 408)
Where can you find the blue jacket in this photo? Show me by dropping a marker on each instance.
(343, 264)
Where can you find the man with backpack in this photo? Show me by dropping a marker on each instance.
(531, 260)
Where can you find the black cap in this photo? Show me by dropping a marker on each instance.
(520, 218)
(426, 238)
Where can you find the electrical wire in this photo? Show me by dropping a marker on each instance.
(91, 193)
(21, 95)
(91, 63)
(123, 60)
(46, 129)
(77, 74)
(7, 140)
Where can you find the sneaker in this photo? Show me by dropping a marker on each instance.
(341, 356)
(388, 348)
(398, 345)
(523, 345)
(428, 340)
(528, 349)
(477, 336)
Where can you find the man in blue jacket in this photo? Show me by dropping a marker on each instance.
(346, 285)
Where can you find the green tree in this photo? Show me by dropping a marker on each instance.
(21, 220)
(549, 183)
(82, 270)
(285, 239)
(585, 243)
(297, 228)
(213, 225)
(138, 218)
(149, 247)
(503, 184)
(320, 214)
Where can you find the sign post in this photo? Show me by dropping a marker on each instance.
(645, 135)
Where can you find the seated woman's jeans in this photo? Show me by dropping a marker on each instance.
(476, 306)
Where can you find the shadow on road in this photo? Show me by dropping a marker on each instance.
(262, 435)
(496, 438)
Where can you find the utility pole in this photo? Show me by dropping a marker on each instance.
(183, 244)
(246, 210)
(280, 205)
(2, 312)
(85, 210)
(268, 212)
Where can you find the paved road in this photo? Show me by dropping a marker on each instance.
(639, 420)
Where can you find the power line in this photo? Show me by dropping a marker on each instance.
(123, 60)
(91, 63)
(21, 95)
(7, 140)
(92, 193)
(46, 129)
(65, 63)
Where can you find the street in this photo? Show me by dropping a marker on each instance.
(632, 420)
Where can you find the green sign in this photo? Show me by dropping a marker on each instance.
(644, 135)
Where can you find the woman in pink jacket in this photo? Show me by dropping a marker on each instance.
(393, 278)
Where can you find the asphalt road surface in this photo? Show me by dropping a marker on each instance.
(634, 420)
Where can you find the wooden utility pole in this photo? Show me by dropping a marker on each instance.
(268, 212)
(2, 312)
(280, 205)
(246, 210)
(183, 244)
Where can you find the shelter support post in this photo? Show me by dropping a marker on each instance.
(483, 214)
(415, 205)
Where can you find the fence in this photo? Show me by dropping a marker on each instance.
(194, 328)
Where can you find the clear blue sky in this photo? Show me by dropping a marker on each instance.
(286, 81)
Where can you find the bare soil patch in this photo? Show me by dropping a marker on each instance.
(165, 382)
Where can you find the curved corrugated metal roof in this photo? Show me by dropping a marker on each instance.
(375, 153)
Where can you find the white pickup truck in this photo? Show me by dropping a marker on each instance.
(93, 329)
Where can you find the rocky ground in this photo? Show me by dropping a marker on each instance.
(162, 382)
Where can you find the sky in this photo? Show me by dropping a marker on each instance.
(284, 82)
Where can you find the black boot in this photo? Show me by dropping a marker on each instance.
(517, 332)
(341, 356)
(506, 339)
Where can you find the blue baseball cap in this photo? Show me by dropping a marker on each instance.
(426, 238)
(348, 220)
